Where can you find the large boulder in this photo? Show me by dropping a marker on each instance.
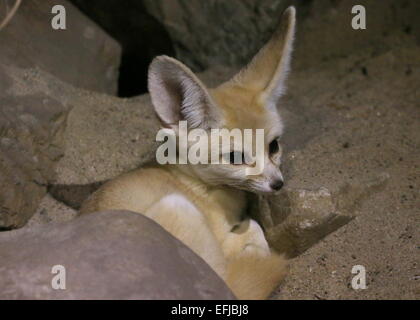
(32, 123)
(240, 28)
(82, 55)
(33, 107)
(80, 138)
(105, 255)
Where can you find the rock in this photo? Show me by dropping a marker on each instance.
(34, 111)
(82, 55)
(50, 210)
(106, 255)
(297, 219)
(83, 138)
(241, 27)
(31, 141)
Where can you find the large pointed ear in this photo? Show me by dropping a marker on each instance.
(267, 71)
(177, 94)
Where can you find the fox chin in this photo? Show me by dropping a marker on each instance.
(205, 205)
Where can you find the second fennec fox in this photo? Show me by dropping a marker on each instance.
(204, 205)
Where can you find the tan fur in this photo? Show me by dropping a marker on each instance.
(207, 232)
(242, 275)
(204, 205)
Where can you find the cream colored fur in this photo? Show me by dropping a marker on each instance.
(205, 206)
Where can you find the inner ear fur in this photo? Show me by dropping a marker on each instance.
(177, 94)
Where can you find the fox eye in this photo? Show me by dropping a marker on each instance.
(273, 147)
(238, 155)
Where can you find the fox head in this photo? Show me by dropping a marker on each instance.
(247, 101)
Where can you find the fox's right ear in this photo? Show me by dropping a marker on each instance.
(267, 72)
(177, 94)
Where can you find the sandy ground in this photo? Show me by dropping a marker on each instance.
(349, 120)
(359, 119)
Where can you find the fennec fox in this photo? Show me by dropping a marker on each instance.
(204, 205)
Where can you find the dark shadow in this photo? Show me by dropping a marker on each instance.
(140, 35)
(73, 195)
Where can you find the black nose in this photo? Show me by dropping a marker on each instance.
(277, 185)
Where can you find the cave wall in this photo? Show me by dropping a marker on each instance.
(204, 34)
(212, 32)
(221, 32)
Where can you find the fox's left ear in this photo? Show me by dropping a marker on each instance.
(267, 72)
